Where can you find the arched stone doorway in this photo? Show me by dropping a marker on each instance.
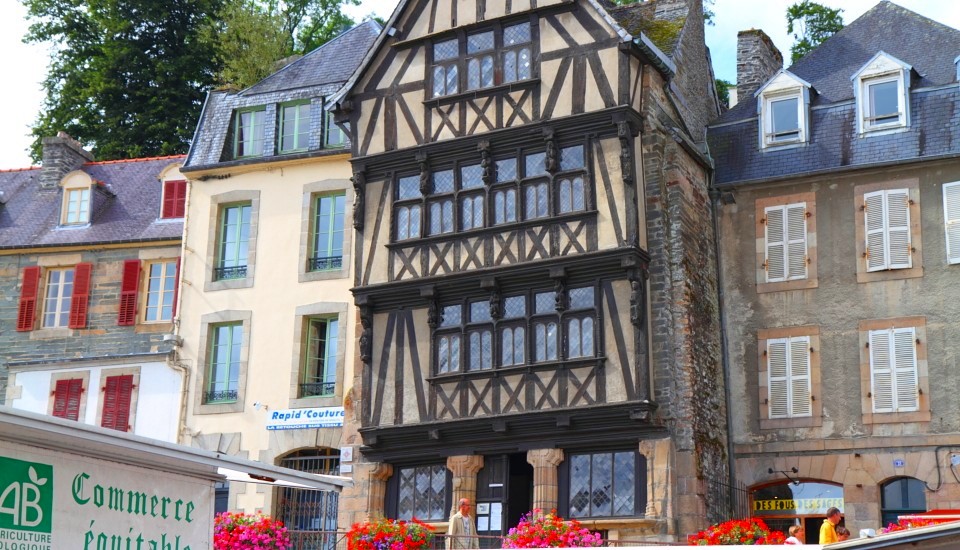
(788, 503)
(310, 516)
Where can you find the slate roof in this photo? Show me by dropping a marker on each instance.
(319, 74)
(640, 18)
(30, 216)
(928, 46)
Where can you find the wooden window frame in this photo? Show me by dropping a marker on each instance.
(394, 491)
(303, 315)
(63, 301)
(311, 192)
(867, 116)
(639, 490)
(816, 413)
(238, 152)
(951, 224)
(769, 136)
(217, 205)
(330, 128)
(761, 206)
(134, 394)
(923, 413)
(335, 260)
(208, 323)
(912, 186)
(145, 290)
(84, 376)
(297, 126)
(328, 370)
(179, 189)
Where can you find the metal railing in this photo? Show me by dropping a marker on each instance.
(220, 396)
(233, 272)
(724, 501)
(314, 389)
(337, 540)
(322, 264)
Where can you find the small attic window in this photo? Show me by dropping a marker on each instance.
(75, 209)
(783, 105)
(882, 89)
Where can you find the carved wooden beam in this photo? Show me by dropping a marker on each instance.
(359, 188)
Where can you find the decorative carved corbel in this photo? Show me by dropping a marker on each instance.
(552, 162)
(424, 163)
(366, 334)
(638, 299)
(359, 186)
(495, 311)
(560, 294)
(433, 314)
(486, 162)
(625, 132)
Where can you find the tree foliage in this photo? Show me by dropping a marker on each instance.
(249, 40)
(810, 24)
(723, 91)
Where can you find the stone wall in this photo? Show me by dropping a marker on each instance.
(758, 59)
(61, 155)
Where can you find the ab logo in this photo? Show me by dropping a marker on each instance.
(26, 495)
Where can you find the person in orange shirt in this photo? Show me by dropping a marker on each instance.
(828, 530)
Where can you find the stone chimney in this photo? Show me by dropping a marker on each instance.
(671, 9)
(61, 155)
(757, 61)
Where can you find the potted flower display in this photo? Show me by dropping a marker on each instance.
(236, 531)
(752, 531)
(537, 530)
(389, 534)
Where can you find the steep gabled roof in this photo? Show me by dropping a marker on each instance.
(30, 216)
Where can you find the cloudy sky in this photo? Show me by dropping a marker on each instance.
(25, 65)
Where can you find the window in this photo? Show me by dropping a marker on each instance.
(76, 206)
(56, 303)
(294, 127)
(319, 373)
(783, 104)
(408, 212)
(305, 510)
(893, 370)
(468, 337)
(788, 377)
(604, 484)
(951, 220)
(785, 242)
(161, 291)
(422, 493)
(174, 199)
(335, 136)
(224, 365)
(233, 240)
(887, 222)
(783, 121)
(117, 398)
(327, 245)
(882, 89)
(67, 396)
(64, 297)
(248, 132)
(901, 497)
(480, 65)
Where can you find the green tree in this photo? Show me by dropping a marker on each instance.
(249, 41)
(723, 91)
(126, 77)
(810, 24)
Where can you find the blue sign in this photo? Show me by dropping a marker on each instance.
(898, 463)
(297, 419)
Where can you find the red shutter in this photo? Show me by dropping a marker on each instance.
(174, 199)
(66, 398)
(117, 394)
(128, 293)
(28, 298)
(81, 295)
(176, 289)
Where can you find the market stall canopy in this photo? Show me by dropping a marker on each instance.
(72, 437)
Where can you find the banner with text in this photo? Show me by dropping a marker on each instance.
(294, 419)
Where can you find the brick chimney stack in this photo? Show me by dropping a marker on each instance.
(757, 61)
(61, 155)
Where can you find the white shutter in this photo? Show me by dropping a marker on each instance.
(881, 371)
(898, 229)
(797, 241)
(951, 219)
(800, 377)
(905, 370)
(775, 243)
(777, 374)
(874, 217)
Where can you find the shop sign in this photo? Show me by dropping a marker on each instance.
(294, 419)
(797, 506)
(53, 501)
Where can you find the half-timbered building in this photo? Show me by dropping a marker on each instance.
(534, 266)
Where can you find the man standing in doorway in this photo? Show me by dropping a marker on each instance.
(461, 531)
(828, 530)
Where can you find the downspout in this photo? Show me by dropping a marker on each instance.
(177, 364)
(725, 364)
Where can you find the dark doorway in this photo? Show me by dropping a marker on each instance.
(504, 494)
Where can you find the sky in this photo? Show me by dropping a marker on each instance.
(25, 65)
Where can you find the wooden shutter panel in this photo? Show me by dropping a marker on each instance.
(128, 293)
(176, 290)
(800, 377)
(777, 382)
(26, 313)
(66, 398)
(881, 371)
(169, 199)
(898, 229)
(905, 370)
(776, 247)
(81, 295)
(951, 219)
(117, 396)
(874, 217)
(796, 237)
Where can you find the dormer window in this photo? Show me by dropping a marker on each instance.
(882, 89)
(294, 127)
(75, 209)
(248, 132)
(783, 105)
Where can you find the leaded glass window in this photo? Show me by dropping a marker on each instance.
(571, 195)
(445, 71)
(441, 217)
(571, 158)
(504, 206)
(535, 164)
(480, 60)
(471, 212)
(506, 169)
(516, 53)
(536, 201)
(422, 493)
(603, 484)
(408, 222)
